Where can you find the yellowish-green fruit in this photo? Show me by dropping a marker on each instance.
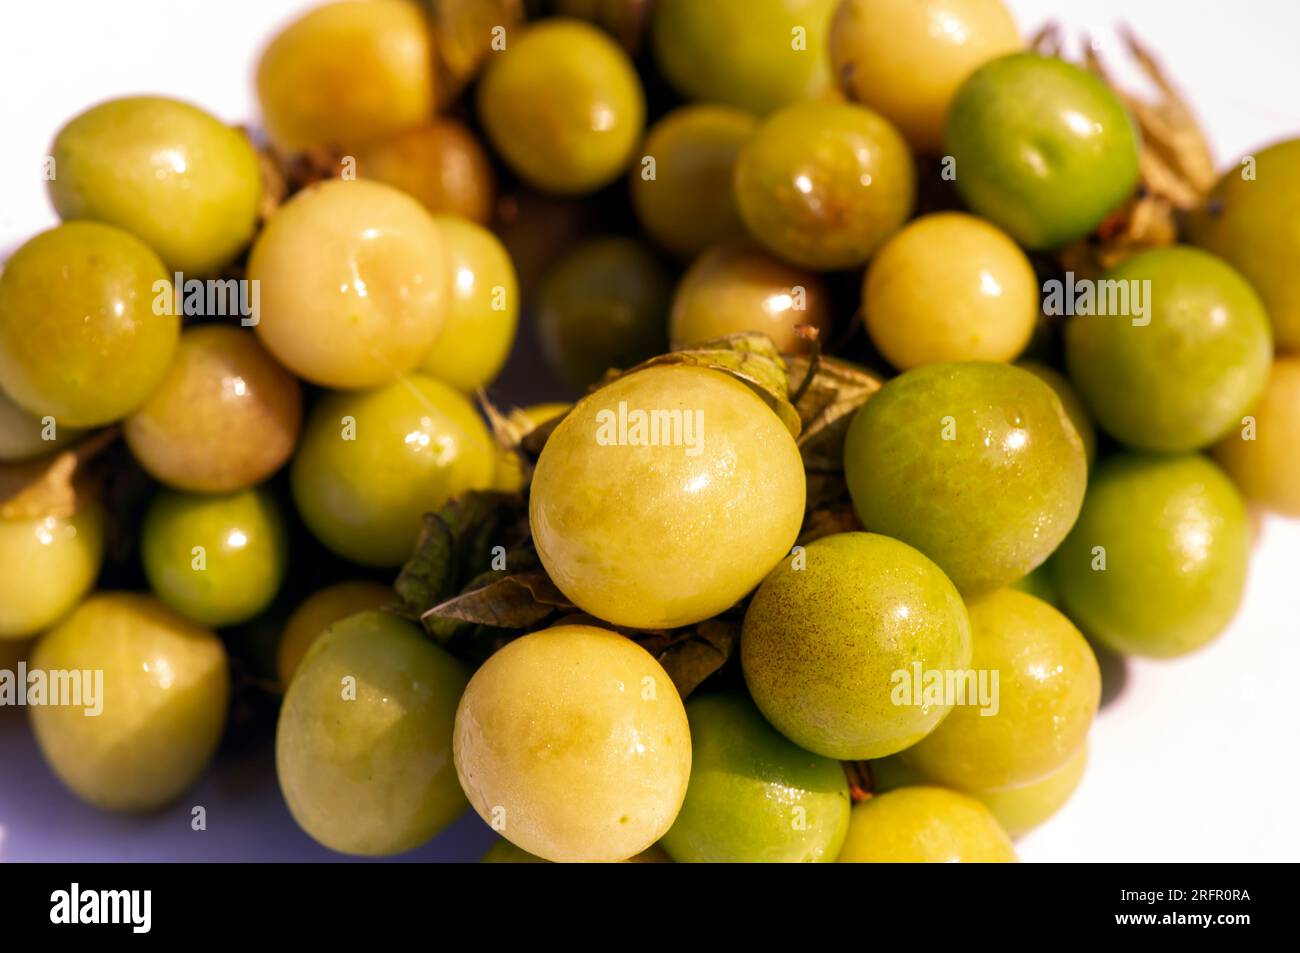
(1263, 455)
(1019, 810)
(1070, 401)
(925, 825)
(670, 532)
(482, 307)
(1026, 724)
(574, 743)
(50, 563)
(511, 472)
(321, 610)
(164, 692)
(504, 852)
(363, 747)
(24, 435)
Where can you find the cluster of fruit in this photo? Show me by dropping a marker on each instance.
(863, 499)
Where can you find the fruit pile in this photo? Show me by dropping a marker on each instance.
(910, 365)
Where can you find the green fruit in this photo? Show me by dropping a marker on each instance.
(573, 743)
(754, 797)
(925, 825)
(688, 204)
(1254, 223)
(1182, 375)
(563, 105)
(757, 55)
(482, 307)
(318, 612)
(824, 184)
(603, 305)
(1263, 458)
(1157, 562)
(164, 691)
(24, 436)
(1037, 713)
(834, 637)
(371, 464)
(363, 746)
(1021, 809)
(218, 560)
(974, 464)
(50, 563)
(1070, 401)
(1044, 149)
(176, 177)
(632, 531)
(81, 338)
(222, 390)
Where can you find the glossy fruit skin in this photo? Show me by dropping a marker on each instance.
(353, 283)
(371, 774)
(925, 825)
(1012, 449)
(689, 204)
(742, 52)
(1049, 688)
(504, 852)
(371, 464)
(318, 612)
(603, 305)
(225, 417)
(346, 74)
(440, 163)
(753, 796)
(1044, 149)
(563, 106)
(1020, 809)
(906, 58)
(176, 177)
(1252, 223)
(1071, 401)
(22, 434)
(822, 645)
(50, 563)
(1267, 467)
(822, 184)
(615, 736)
(482, 307)
(79, 338)
(245, 554)
(631, 533)
(165, 689)
(950, 287)
(740, 287)
(1185, 379)
(1177, 543)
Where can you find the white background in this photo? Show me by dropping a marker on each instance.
(1193, 759)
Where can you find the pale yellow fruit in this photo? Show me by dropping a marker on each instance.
(49, 564)
(318, 612)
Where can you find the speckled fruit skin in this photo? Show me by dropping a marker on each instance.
(754, 797)
(988, 505)
(1071, 401)
(441, 163)
(1020, 809)
(950, 287)
(650, 536)
(1267, 467)
(224, 418)
(1255, 225)
(318, 612)
(925, 825)
(371, 775)
(740, 287)
(346, 74)
(574, 743)
(906, 58)
(179, 179)
(482, 307)
(742, 52)
(824, 184)
(79, 339)
(1049, 687)
(1177, 546)
(821, 644)
(1185, 379)
(563, 105)
(416, 444)
(1044, 148)
(245, 554)
(49, 564)
(353, 283)
(689, 205)
(166, 686)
